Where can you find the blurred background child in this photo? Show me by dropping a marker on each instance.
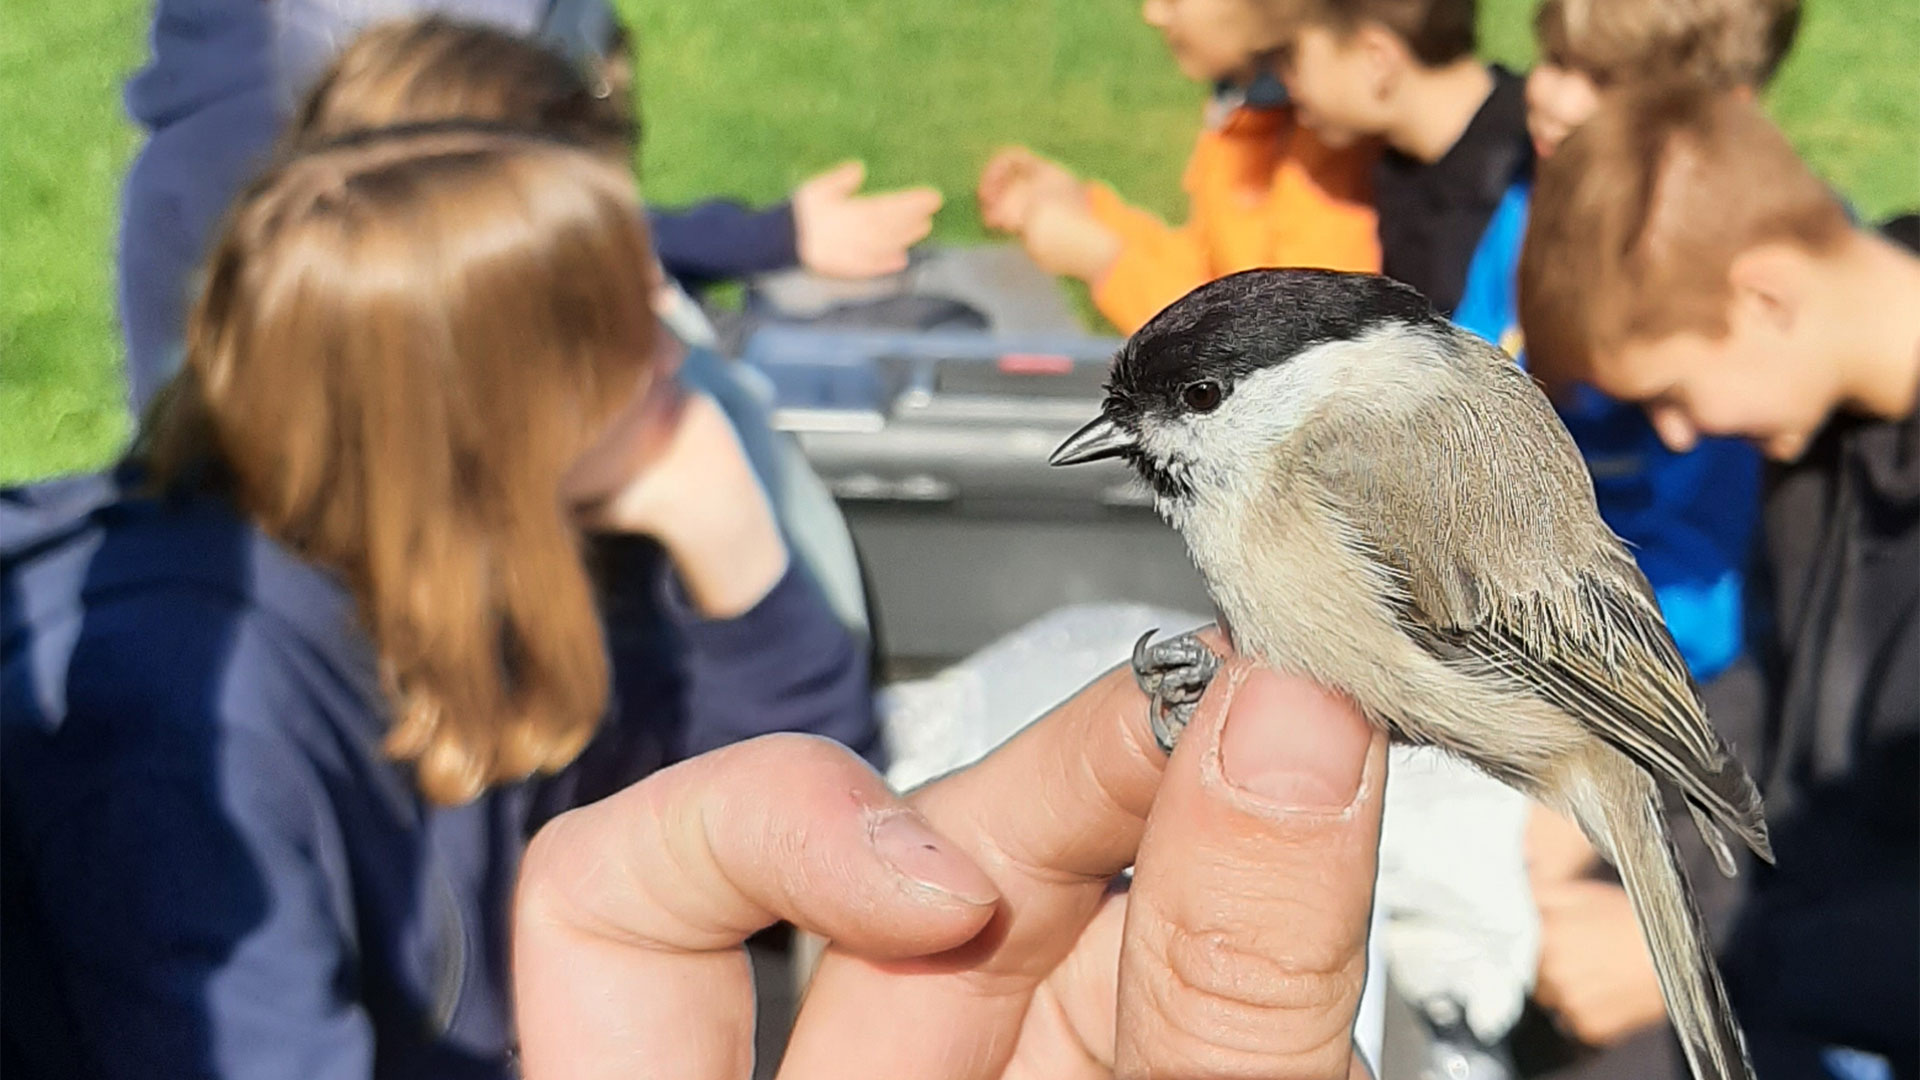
(1588, 46)
(432, 68)
(1689, 513)
(1682, 257)
(1404, 72)
(1261, 189)
(302, 664)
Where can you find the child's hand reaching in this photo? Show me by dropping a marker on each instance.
(1024, 193)
(843, 234)
(1016, 180)
(1595, 975)
(1062, 236)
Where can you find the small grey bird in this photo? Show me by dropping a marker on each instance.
(1385, 504)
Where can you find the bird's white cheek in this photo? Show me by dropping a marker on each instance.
(1264, 410)
(1168, 444)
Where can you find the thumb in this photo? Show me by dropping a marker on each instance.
(1245, 946)
(843, 179)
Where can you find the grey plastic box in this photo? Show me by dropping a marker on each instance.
(936, 444)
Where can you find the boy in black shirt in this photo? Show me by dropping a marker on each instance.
(1681, 256)
(1455, 129)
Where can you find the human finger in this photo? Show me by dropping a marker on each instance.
(1051, 816)
(630, 912)
(1245, 949)
(899, 219)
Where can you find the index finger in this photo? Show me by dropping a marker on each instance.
(1051, 817)
(905, 209)
(630, 912)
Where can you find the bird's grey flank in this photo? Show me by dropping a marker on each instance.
(1385, 504)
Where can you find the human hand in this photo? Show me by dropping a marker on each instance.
(1556, 850)
(1596, 976)
(1240, 947)
(843, 234)
(1238, 950)
(670, 466)
(1016, 180)
(631, 911)
(1065, 238)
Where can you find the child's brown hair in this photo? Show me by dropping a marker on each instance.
(1720, 44)
(1436, 32)
(405, 339)
(1637, 220)
(435, 69)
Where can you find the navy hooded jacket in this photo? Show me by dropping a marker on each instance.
(211, 867)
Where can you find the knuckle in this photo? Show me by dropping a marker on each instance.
(554, 888)
(1228, 966)
(1586, 1030)
(539, 865)
(802, 753)
(1225, 1006)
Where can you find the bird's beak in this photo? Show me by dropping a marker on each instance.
(1102, 438)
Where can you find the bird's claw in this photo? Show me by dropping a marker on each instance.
(1173, 674)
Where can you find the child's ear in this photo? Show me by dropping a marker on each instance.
(1385, 54)
(1769, 287)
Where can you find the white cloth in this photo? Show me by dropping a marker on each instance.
(940, 723)
(1462, 932)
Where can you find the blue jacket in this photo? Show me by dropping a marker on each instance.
(1689, 518)
(211, 867)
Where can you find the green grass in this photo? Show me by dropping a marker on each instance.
(746, 97)
(66, 146)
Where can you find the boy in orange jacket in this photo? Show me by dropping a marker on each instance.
(1263, 190)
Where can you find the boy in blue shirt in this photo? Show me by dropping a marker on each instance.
(1689, 517)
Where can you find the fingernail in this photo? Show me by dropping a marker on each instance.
(929, 859)
(1294, 745)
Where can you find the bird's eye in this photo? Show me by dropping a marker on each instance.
(1203, 397)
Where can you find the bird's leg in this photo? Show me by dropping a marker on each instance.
(1173, 673)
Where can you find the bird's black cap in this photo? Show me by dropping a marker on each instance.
(1255, 319)
(1228, 329)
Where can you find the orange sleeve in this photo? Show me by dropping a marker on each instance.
(1328, 201)
(1158, 263)
(1259, 194)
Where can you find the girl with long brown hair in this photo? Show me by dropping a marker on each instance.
(285, 694)
(431, 69)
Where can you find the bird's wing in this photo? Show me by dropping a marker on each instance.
(1442, 505)
(1623, 678)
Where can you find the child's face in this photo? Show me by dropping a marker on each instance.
(1754, 383)
(1337, 84)
(1559, 99)
(1211, 40)
(632, 439)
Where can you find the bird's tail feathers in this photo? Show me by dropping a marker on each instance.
(1649, 867)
